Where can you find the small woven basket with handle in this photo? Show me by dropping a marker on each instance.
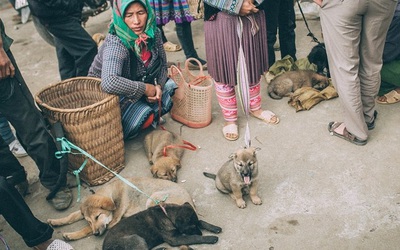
(193, 98)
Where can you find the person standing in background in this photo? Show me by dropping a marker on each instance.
(35, 233)
(18, 107)
(222, 21)
(178, 11)
(389, 91)
(281, 21)
(74, 46)
(354, 35)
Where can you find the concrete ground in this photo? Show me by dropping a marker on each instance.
(318, 192)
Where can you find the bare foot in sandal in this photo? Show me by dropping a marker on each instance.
(230, 131)
(389, 98)
(339, 129)
(172, 47)
(265, 116)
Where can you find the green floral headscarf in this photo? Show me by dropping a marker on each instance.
(127, 36)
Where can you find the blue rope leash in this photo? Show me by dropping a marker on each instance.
(67, 147)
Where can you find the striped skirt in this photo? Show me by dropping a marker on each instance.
(134, 115)
(222, 46)
(174, 10)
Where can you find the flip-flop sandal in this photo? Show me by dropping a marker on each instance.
(230, 132)
(391, 98)
(346, 134)
(267, 117)
(172, 47)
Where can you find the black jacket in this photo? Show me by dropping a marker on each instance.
(56, 10)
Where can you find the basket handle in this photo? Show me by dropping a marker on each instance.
(179, 93)
(201, 73)
(174, 71)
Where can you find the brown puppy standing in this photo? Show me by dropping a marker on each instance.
(238, 176)
(164, 154)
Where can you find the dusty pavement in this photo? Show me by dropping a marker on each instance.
(318, 192)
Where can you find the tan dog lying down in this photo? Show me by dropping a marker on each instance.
(164, 154)
(116, 200)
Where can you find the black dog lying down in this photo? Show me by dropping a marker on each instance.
(153, 227)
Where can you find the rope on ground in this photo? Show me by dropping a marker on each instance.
(67, 147)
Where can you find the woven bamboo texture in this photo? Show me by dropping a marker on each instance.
(91, 120)
(193, 98)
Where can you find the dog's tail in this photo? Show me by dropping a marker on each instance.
(271, 92)
(274, 96)
(209, 175)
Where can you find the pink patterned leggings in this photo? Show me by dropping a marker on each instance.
(227, 100)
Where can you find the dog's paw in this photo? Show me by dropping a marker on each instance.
(68, 236)
(241, 203)
(210, 239)
(256, 200)
(53, 222)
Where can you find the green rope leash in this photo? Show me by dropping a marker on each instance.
(67, 147)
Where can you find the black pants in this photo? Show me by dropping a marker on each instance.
(17, 213)
(17, 105)
(74, 46)
(280, 16)
(10, 167)
(184, 34)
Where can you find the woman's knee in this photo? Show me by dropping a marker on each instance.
(170, 86)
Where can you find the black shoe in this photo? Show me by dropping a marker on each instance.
(62, 199)
(193, 65)
(371, 125)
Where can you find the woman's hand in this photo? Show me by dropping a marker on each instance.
(248, 8)
(153, 92)
(319, 2)
(6, 67)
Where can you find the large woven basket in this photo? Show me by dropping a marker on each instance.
(193, 98)
(91, 120)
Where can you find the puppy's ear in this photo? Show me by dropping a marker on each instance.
(255, 150)
(108, 204)
(98, 201)
(154, 172)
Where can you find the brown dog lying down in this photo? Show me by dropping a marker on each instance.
(152, 227)
(116, 199)
(288, 82)
(163, 154)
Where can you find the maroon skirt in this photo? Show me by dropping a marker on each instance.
(222, 47)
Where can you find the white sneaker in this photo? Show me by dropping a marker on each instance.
(17, 149)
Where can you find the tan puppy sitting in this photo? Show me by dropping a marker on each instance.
(164, 153)
(238, 176)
